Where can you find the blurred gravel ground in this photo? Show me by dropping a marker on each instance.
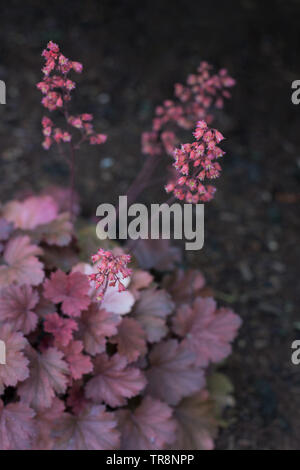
(132, 53)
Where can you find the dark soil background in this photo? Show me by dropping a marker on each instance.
(133, 52)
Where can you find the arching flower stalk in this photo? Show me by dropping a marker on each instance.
(56, 86)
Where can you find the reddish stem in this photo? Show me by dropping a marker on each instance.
(72, 180)
(142, 178)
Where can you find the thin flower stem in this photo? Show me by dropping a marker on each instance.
(142, 178)
(72, 180)
(154, 182)
(63, 154)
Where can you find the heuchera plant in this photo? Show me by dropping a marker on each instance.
(101, 355)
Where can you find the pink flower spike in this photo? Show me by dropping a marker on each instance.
(56, 88)
(112, 269)
(196, 162)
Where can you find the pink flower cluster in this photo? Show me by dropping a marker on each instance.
(134, 371)
(56, 88)
(203, 91)
(111, 271)
(196, 162)
(129, 372)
